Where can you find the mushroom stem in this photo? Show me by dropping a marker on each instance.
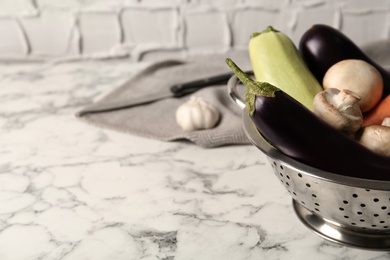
(340, 109)
(344, 99)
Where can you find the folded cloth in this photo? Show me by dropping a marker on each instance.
(157, 120)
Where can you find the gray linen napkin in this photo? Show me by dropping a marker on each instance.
(157, 120)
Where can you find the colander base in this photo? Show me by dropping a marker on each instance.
(341, 235)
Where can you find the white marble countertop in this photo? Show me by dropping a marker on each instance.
(69, 190)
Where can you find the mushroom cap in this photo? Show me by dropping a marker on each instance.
(358, 76)
(376, 138)
(347, 119)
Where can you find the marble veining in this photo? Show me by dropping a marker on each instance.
(69, 190)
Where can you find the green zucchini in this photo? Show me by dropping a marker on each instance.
(276, 60)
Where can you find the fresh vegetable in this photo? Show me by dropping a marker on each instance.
(276, 60)
(196, 114)
(340, 109)
(322, 46)
(299, 133)
(358, 76)
(377, 137)
(376, 115)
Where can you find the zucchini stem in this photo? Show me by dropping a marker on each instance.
(268, 29)
(253, 88)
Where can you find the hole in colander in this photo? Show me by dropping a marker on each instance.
(367, 189)
(314, 196)
(317, 204)
(383, 207)
(303, 202)
(376, 200)
(316, 209)
(346, 216)
(362, 220)
(353, 223)
(345, 201)
(281, 174)
(382, 222)
(295, 193)
(342, 209)
(299, 175)
(363, 205)
(288, 177)
(308, 185)
(354, 195)
(359, 213)
(385, 226)
(376, 215)
(373, 225)
(281, 167)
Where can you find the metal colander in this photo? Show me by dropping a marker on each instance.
(346, 210)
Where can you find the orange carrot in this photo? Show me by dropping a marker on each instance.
(376, 115)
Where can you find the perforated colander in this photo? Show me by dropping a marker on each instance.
(342, 209)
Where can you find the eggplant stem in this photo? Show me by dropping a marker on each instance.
(241, 75)
(253, 88)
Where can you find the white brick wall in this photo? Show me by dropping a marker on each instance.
(146, 29)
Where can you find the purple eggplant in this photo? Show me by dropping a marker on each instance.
(299, 133)
(322, 46)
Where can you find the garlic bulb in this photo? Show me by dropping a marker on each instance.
(196, 114)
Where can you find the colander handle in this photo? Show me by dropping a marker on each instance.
(233, 93)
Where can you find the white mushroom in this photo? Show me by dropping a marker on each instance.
(377, 137)
(340, 109)
(358, 76)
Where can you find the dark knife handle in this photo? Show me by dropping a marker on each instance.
(180, 90)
